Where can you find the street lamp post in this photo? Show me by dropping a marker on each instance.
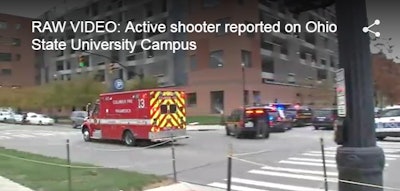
(359, 160)
(244, 85)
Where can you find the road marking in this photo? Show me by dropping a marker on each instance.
(274, 185)
(318, 155)
(386, 150)
(306, 163)
(389, 143)
(295, 176)
(233, 187)
(293, 170)
(43, 134)
(4, 137)
(23, 136)
(333, 153)
(333, 156)
(311, 160)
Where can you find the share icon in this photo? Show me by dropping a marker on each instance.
(367, 29)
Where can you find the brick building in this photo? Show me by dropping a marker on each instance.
(17, 59)
(285, 67)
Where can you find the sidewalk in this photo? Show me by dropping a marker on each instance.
(9, 185)
(183, 186)
(204, 127)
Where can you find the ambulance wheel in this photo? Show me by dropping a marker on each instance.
(129, 139)
(86, 134)
(228, 133)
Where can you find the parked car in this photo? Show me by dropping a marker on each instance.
(300, 116)
(278, 121)
(15, 118)
(388, 123)
(5, 116)
(77, 118)
(324, 118)
(39, 119)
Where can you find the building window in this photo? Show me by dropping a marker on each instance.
(193, 63)
(17, 26)
(191, 99)
(257, 97)
(18, 57)
(16, 42)
(291, 78)
(332, 63)
(211, 3)
(246, 97)
(5, 57)
(6, 72)
(246, 58)
(216, 59)
(221, 29)
(3, 25)
(323, 62)
(321, 74)
(267, 66)
(59, 65)
(149, 10)
(217, 102)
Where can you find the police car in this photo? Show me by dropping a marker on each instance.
(387, 123)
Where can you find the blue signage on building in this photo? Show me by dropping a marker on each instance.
(119, 84)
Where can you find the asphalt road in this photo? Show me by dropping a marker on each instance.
(285, 161)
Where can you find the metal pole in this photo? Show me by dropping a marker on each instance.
(324, 164)
(69, 167)
(244, 85)
(228, 188)
(173, 158)
(359, 159)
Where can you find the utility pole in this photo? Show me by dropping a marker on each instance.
(358, 159)
(244, 86)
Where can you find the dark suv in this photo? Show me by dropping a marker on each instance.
(252, 121)
(324, 118)
(300, 116)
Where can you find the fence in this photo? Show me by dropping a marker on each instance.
(230, 158)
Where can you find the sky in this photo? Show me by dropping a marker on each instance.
(387, 11)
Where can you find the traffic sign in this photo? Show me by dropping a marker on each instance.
(341, 92)
(119, 84)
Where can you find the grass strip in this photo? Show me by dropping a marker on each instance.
(43, 173)
(205, 120)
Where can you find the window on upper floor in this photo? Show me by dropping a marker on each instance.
(268, 66)
(211, 3)
(3, 25)
(5, 57)
(17, 26)
(246, 58)
(6, 72)
(223, 22)
(216, 59)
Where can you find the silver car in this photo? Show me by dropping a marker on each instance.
(77, 118)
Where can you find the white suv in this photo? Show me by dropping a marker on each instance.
(388, 123)
(5, 116)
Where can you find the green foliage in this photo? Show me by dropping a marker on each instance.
(58, 94)
(138, 84)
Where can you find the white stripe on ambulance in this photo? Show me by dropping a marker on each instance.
(121, 121)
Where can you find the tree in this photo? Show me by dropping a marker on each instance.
(138, 84)
(386, 77)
